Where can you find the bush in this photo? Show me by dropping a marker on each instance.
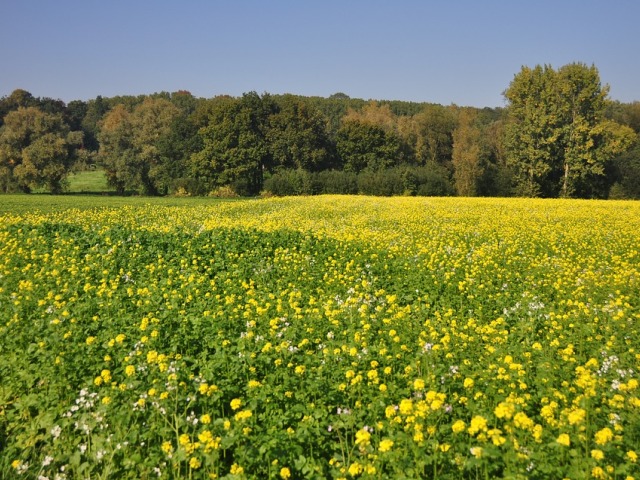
(336, 182)
(384, 183)
(289, 182)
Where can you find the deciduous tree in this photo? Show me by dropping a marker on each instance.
(467, 155)
(36, 149)
(558, 137)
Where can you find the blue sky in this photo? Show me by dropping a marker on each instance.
(450, 51)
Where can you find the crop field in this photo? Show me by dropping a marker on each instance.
(319, 337)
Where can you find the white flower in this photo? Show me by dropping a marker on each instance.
(56, 431)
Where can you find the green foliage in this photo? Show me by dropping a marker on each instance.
(132, 146)
(557, 139)
(235, 150)
(431, 180)
(627, 174)
(337, 182)
(431, 134)
(290, 182)
(559, 136)
(297, 136)
(36, 149)
(364, 146)
(467, 157)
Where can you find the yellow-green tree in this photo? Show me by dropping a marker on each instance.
(467, 154)
(129, 144)
(558, 140)
(37, 149)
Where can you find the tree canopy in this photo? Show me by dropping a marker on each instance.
(559, 135)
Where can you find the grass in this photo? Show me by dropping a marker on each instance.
(89, 181)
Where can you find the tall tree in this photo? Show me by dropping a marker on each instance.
(96, 110)
(116, 152)
(36, 149)
(432, 133)
(363, 146)
(297, 136)
(129, 145)
(235, 152)
(151, 121)
(467, 155)
(558, 139)
(18, 98)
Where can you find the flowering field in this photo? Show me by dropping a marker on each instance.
(322, 337)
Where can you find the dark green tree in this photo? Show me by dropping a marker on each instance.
(175, 150)
(18, 98)
(96, 110)
(364, 146)
(37, 149)
(235, 152)
(297, 136)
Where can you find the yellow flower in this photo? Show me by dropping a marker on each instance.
(576, 416)
(597, 454)
(205, 419)
(243, 415)
(205, 436)
(632, 456)
(418, 384)
(236, 469)
(468, 383)
(300, 369)
(285, 473)
(406, 406)
(236, 403)
(90, 340)
(167, 447)
(476, 451)
(504, 410)
(194, 463)
(478, 423)
(520, 420)
(563, 439)
(385, 445)
(597, 472)
(458, 426)
(363, 437)
(129, 370)
(603, 436)
(355, 469)
(106, 400)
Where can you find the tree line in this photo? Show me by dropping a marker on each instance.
(559, 135)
